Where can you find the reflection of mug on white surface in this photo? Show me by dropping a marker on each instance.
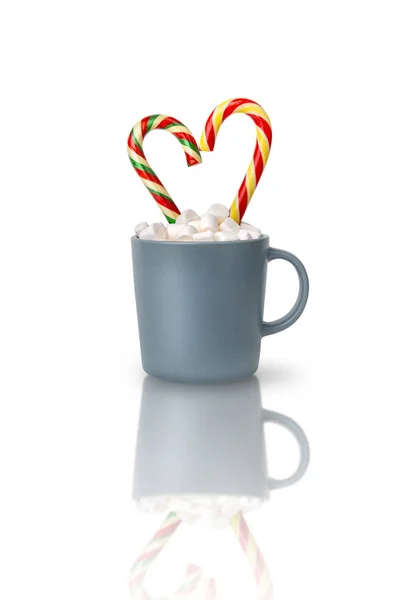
(207, 441)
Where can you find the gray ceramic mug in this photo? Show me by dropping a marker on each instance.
(207, 440)
(200, 306)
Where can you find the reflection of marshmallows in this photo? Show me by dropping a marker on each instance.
(212, 511)
(214, 225)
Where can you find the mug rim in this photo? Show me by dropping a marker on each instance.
(262, 237)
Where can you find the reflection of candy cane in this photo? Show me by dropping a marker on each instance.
(254, 556)
(261, 152)
(142, 167)
(194, 579)
(194, 576)
(154, 547)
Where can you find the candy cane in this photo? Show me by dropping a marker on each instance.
(195, 578)
(254, 556)
(153, 548)
(144, 170)
(261, 152)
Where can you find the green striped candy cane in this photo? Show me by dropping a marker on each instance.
(145, 171)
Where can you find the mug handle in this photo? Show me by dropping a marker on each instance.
(293, 427)
(268, 328)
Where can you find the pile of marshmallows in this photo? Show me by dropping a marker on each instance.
(214, 226)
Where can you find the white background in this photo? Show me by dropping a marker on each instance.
(336, 79)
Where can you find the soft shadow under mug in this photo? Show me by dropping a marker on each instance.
(207, 440)
(200, 306)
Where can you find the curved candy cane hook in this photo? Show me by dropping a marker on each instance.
(261, 152)
(194, 578)
(144, 170)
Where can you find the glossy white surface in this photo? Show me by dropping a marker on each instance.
(336, 81)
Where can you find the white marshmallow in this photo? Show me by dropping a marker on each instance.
(229, 225)
(186, 216)
(209, 222)
(140, 228)
(196, 224)
(204, 236)
(244, 235)
(186, 233)
(173, 230)
(219, 211)
(255, 234)
(250, 228)
(156, 231)
(225, 236)
(190, 227)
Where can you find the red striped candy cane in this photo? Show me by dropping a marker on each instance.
(254, 557)
(144, 170)
(194, 578)
(153, 548)
(261, 151)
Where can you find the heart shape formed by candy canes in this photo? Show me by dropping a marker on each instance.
(207, 144)
(144, 170)
(261, 151)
